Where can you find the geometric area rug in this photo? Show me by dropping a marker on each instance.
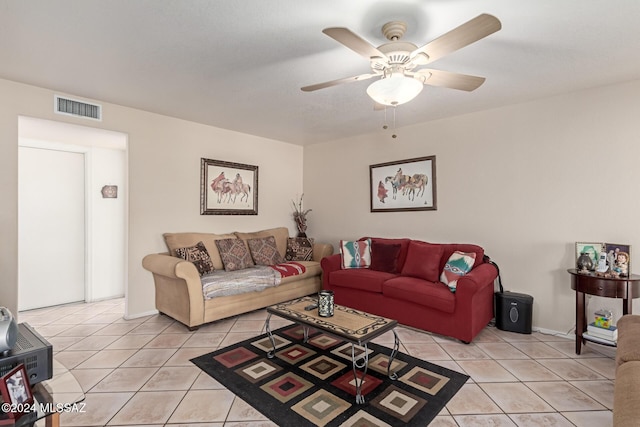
(312, 384)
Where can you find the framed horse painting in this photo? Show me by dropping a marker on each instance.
(404, 185)
(228, 188)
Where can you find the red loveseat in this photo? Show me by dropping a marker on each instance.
(403, 283)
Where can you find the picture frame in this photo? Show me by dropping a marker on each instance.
(403, 185)
(228, 188)
(16, 391)
(616, 255)
(592, 249)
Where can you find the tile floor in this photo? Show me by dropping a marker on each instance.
(137, 372)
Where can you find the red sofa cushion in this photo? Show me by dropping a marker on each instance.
(384, 257)
(404, 246)
(430, 294)
(423, 261)
(360, 278)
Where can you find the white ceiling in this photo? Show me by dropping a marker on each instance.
(240, 64)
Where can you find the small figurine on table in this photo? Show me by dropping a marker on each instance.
(622, 263)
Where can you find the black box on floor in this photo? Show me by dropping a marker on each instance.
(514, 312)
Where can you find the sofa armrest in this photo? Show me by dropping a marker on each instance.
(329, 264)
(321, 250)
(178, 288)
(481, 276)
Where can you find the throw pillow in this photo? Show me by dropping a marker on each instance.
(423, 261)
(234, 254)
(299, 249)
(355, 254)
(198, 255)
(459, 264)
(264, 251)
(384, 257)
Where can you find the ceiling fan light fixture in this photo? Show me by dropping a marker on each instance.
(395, 89)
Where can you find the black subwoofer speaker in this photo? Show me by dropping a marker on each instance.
(514, 312)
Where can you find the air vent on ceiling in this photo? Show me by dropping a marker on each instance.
(73, 107)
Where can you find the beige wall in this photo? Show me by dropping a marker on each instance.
(163, 181)
(525, 182)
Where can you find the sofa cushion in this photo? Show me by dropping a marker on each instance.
(419, 291)
(234, 253)
(423, 261)
(199, 256)
(264, 251)
(363, 279)
(384, 256)
(181, 240)
(458, 264)
(355, 254)
(299, 249)
(628, 339)
(404, 247)
(280, 234)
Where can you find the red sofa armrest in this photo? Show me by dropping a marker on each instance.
(329, 264)
(481, 276)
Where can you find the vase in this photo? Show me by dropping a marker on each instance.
(584, 262)
(325, 303)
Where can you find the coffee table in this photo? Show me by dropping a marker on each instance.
(354, 326)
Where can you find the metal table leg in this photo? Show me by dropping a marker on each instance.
(364, 366)
(396, 346)
(271, 353)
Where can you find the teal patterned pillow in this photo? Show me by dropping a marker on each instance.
(459, 264)
(355, 254)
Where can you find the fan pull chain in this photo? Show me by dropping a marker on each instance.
(394, 123)
(384, 124)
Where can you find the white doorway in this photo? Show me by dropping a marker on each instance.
(87, 246)
(51, 257)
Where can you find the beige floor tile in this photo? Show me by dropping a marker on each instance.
(486, 371)
(80, 330)
(242, 411)
(515, 398)
(203, 406)
(487, 335)
(99, 409)
(50, 330)
(177, 328)
(147, 328)
(125, 379)
(249, 424)
(255, 326)
(236, 337)
(515, 337)
(428, 351)
(106, 359)
(149, 357)
(443, 421)
(539, 350)
(116, 329)
(132, 341)
(459, 351)
(205, 382)
(103, 318)
(209, 341)
(569, 349)
(71, 359)
(159, 318)
(93, 342)
(590, 418)
(570, 369)
(471, 399)
(183, 356)
(87, 378)
(529, 370)
(74, 319)
(172, 378)
(602, 365)
(501, 350)
(408, 336)
(494, 420)
(564, 396)
(148, 407)
(168, 341)
(62, 343)
(223, 325)
(600, 391)
(541, 420)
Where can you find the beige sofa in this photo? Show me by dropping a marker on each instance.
(179, 289)
(626, 395)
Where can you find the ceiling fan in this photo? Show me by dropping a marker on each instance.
(396, 63)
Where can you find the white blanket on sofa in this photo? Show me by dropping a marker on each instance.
(222, 283)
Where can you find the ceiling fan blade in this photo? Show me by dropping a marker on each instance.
(317, 86)
(471, 31)
(449, 79)
(353, 42)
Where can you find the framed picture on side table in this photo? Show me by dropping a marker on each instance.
(591, 249)
(16, 392)
(619, 258)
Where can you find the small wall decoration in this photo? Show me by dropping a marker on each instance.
(591, 251)
(16, 392)
(404, 185)
(110, 192)
(228, 188)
